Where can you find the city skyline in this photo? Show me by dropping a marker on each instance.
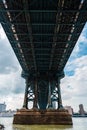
(73, 86)
(3, 107)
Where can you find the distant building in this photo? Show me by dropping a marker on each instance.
(69, 108)
(81, 109)
(2, 107)
(7, 113)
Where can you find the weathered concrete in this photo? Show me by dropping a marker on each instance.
(42, 117)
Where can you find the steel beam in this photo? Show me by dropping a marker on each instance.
(43, 11)
(49, 96)
(42, 24)
(25, 104)
(35, 94)
(59, 95)
(27, 17)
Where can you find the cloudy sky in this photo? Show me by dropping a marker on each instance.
(11, 84)
(73, 86)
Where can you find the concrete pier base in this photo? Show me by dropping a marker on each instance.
(42, 117)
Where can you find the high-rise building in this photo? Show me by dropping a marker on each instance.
(2, 107)
(81, 109)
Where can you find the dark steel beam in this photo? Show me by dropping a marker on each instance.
(54, 39)
(42, 24)
(65, 57)
(44, 34)
(43, 11)
(4, 18)
(58, 42)
(17, 16)
(36, 94)
(27, 17)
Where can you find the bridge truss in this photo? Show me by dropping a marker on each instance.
(43, 34)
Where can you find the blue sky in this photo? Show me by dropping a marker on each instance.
(73, 86)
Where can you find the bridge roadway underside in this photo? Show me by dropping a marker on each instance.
(43, 34)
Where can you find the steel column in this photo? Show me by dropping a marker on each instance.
(59, 96)
(36, 95)
(25, 104)
(49, 96)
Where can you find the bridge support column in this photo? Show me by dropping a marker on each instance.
(43, 116)
(59, 96)
(49, 96)
(36, 95)
(25, 104)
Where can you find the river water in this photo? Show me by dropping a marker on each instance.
(78, 124)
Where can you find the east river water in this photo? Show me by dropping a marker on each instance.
(78, 124)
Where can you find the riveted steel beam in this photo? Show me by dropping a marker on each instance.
(43, 11)
(27, 17)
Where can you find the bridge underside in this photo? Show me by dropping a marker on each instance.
(43, 34)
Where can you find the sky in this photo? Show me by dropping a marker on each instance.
(73, 85)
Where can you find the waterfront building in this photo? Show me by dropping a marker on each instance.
(70, 109)
(2, 107)
(8, 113)
(81, 109)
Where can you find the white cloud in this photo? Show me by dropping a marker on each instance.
(12, 86)
(74, 88)
(82, 38)
(2, 34)
(76, 63)
(11, 80)
(13, 101)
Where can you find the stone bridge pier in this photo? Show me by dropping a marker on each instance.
(45, 94)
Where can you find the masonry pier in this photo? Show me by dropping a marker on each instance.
(43, 91)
